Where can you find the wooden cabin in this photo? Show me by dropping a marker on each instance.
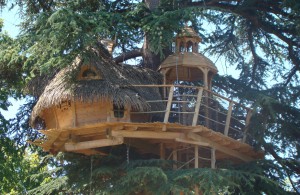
(95, 103)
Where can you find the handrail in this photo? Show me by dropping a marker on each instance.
(201, 107)
(196, 87)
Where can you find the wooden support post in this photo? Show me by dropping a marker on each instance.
(213, 158)
(197, 107)
(168, 109)
(228, 117)
(248, 117)
(162, 151)
(175, 158)
(196, 156)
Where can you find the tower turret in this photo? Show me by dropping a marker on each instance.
(187, 64)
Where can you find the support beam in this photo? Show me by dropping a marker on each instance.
(196, 157)
(93, 144)
(220, 148)
(147, 134)
(228, 117)
(169, 104)
(197, 107)
(213, 158)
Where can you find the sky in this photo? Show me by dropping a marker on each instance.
(11, 20)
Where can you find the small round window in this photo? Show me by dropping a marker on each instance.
(89, 73)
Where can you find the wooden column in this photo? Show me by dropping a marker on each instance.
(197, 107)
(196, 156)
(228, 117)
(213, 158)
(169, 104)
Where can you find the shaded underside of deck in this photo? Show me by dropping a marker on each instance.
(156, 138)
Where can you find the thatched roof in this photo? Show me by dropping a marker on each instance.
(116, 85)
(188, 31)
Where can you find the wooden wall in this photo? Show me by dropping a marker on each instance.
(89, 113)
(50, 118)
(70, 114)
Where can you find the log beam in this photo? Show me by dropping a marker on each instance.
(147, 134)
(93, 144)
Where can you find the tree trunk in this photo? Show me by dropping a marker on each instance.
(150, 60)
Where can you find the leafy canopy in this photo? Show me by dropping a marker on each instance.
(258, 38)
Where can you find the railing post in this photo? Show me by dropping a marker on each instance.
(197, 107)
(169, 104)
(228, 117)
(248, 117)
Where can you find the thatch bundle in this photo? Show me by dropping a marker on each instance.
(115, 85)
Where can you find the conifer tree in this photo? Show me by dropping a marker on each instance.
(260, 39)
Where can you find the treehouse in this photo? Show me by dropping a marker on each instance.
(95, 104)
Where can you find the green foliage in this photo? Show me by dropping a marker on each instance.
(111, 175)
(258, 38)
(16, 169)
(274, 125)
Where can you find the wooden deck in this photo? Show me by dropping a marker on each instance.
(196, 125)
(148, 138)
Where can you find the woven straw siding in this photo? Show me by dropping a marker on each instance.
(89, 113)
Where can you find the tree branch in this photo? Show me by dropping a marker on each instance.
(128, 55)
(254, 54)
(291, 166)
(280, 31)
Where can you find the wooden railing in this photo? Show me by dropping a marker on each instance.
(192, 106)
